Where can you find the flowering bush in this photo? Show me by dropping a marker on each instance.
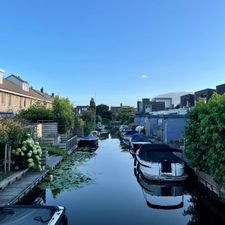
(28, 154)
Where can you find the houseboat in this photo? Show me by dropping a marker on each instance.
(32, 215)
(160, 163)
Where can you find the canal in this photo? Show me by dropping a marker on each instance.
(101, 188)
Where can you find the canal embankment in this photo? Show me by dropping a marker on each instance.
(21, 183)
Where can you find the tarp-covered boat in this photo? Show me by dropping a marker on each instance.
(32, 215)
(160, 162)
(137, 140)
(89, 142)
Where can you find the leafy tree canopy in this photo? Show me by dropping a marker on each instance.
(205, 136)
(126, 115)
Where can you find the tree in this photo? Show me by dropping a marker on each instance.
(89, 120)
(92, 104)
(36, 112)
(63, 113)
(103, 111)
(126, 115)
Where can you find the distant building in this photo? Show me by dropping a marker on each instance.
(115, 109)
(168, 101)
(139, 106)
(147, 106)
(220, 89)
(16, 94)
(206, 94)
(80, 109)
(154, 106)
(187, 100)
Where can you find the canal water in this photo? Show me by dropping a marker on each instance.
(101, 188)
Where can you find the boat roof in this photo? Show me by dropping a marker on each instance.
(159, 153)
(26, 215)
(159, 147)
(89, 138)
(139, 138)
(131, 132)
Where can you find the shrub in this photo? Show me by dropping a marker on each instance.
(205, 136)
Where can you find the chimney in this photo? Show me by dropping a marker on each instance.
(42, 90)
(53, 94)
(1, 76)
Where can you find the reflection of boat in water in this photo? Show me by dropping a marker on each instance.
(160, 163)
(89, 142)
(164, 195)
(32, 215)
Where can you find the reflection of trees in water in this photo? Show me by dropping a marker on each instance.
(204, 212)
(67, 176)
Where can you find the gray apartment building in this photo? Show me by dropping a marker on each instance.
(187, 100)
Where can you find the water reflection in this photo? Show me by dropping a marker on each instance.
(67, 176)
(204, 210)
(116, 196)
(164, 195)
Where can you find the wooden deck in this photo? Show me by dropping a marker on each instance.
(16, 190)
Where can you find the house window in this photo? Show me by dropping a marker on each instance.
(15, 100)
(20, 102)
(10, 100)
(3, 99)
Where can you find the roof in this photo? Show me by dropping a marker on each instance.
(17, 77)
(159, 153)
(10, 87)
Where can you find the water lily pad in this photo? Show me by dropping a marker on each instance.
(68, 176)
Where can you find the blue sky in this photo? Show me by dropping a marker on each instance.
(82, 48)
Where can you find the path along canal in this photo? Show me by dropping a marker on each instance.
(101, 188)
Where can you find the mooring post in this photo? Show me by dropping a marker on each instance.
(9, 158)
(5, 161)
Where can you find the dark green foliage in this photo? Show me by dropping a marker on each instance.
(126, 115)
(11, 132)
(92, 104)
(53, 150)
(36, 112)
(103, 111)
(205, 136)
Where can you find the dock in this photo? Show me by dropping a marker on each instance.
(18, 186)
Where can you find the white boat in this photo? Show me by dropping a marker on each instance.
(32, 215)
(137, 140)
(160, 163)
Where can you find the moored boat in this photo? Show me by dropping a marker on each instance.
(89, 142)
(137, 140)
(161, 163)
(32, 215)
